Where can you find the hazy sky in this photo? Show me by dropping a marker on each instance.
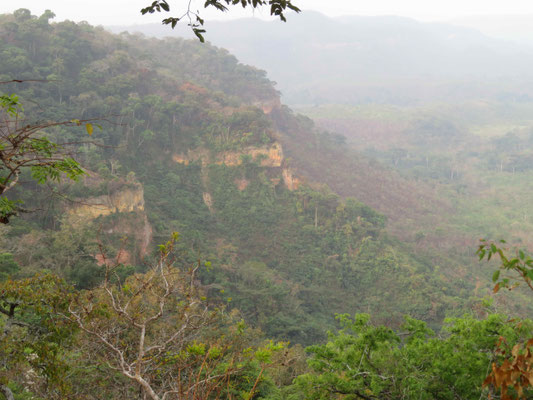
(121, 12)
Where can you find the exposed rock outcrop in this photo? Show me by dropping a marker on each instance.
(208, 200)
(291, 181)
(269, 156)
(127, 198)
(124, 197)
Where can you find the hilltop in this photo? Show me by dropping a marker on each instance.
(358, 60)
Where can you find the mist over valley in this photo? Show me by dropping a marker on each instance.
(291, 210)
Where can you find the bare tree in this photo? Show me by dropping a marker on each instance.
(158, 331)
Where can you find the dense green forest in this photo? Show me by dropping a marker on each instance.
(281, 236)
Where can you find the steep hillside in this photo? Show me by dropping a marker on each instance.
(327, 157)
(192, 141)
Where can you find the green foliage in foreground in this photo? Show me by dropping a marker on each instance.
(24, 148)
(360, 361)
(35, 337)
(363, 361)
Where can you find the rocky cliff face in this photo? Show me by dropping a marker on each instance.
(269, 156)
(291, 181)
(126, 201)
(128, 198)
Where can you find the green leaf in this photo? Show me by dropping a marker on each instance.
(530, 274)
(10, 104)
(198, 33)
(8, 207)
(495, 275)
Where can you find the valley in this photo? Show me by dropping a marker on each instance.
(220, 243)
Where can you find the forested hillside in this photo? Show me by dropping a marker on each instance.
(194, 142)
(189, 140)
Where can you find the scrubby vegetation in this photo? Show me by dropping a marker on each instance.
(194, 142)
